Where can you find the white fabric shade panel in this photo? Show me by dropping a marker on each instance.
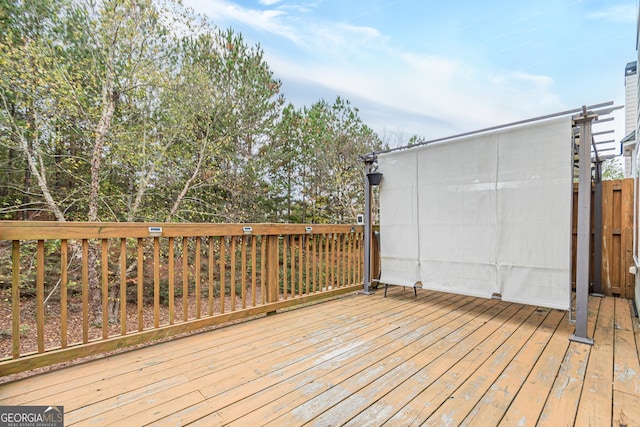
(482, 215)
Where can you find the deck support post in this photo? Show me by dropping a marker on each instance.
(584, 226)
(272, 269)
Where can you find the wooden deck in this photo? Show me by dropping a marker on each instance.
(438, 359)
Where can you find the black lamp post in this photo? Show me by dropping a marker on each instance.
(373, 179)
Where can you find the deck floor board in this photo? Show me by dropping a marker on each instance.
(450, 385)
(562, 401)
(597, 392)
(626, 382)
(438, 359)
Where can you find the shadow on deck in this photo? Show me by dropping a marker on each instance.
(438, 359)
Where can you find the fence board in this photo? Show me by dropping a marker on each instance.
(626, 250)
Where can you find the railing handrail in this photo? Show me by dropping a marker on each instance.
(44, 230)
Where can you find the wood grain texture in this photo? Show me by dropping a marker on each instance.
(617, 238)
(33, 230)
(435, 359)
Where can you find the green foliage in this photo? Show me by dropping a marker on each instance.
(313, 163)
(136, 110)
(612, 170)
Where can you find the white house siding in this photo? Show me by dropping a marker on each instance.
(637, 179)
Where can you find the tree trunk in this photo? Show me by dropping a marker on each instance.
(36, 168)
(109, 99)
(26, 192)
(95, 290)
(114, 303)
(142, 188)
(187, 186)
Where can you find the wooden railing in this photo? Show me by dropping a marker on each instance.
(76, 289)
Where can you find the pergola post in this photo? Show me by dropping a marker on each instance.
(597, 232)
(584, 226)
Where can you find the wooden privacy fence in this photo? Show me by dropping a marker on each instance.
(86, 288)
(616, 237)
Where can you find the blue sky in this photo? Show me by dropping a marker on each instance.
(437, 68)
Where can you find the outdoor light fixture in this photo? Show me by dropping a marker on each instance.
(374, 178)
(308, 230)
(247, 230)
(155, 231)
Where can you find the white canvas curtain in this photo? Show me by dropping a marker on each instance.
(482, 215)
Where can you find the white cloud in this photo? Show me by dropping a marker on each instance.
(444, 90)
(339, 41)
(271, 20)
(427, 94)
(431, 64)
(627, 12)
(534, 81)
(288, 21)
(367, 33)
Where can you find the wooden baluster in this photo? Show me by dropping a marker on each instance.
(254, 251)
(156, 282)
(243, 268)
(104, 256)
(301, 242)
(123, 286)
(85, 291)
(15, 298)
(210, 265)
(232, 280)
(140, 284)
(263, 269)
(292, 267)
(284, 266)
(223, 273)
(326, 261)
(40, 295)
(64, 279)
(185, 279)
(197, 268)
(171, 272)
